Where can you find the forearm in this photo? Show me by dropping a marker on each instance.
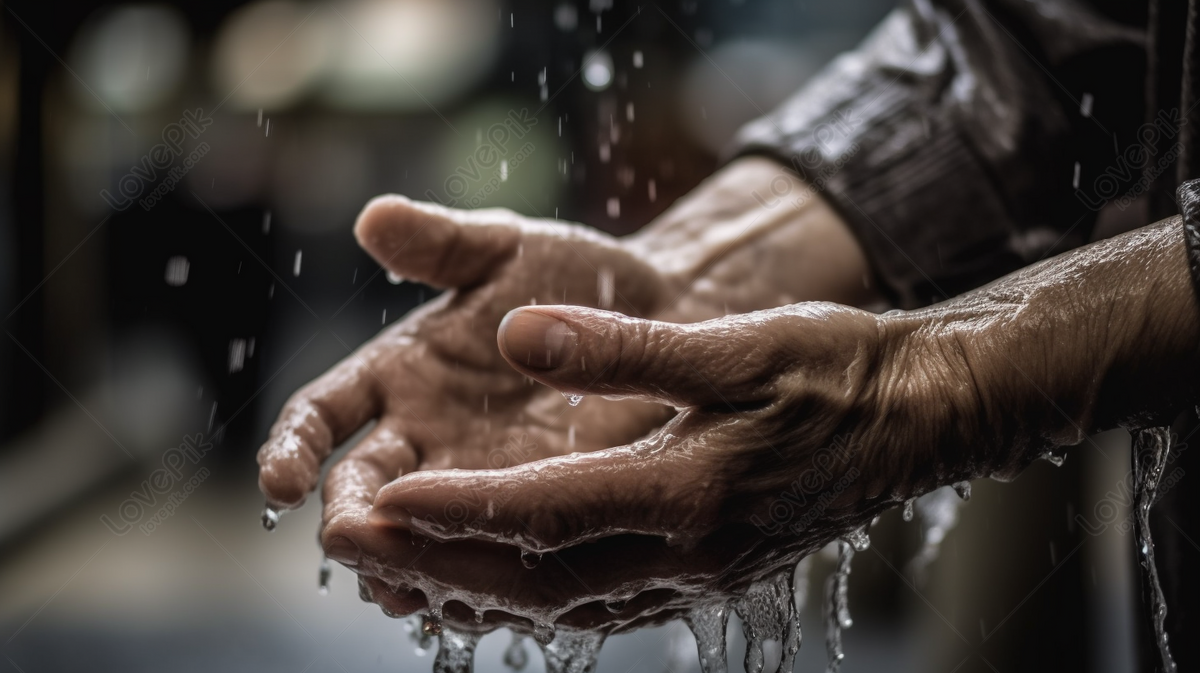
(754, 236)
(1106, 335)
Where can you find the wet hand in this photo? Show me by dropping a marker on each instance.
(435, 383)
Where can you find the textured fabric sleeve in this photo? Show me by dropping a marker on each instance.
(963, 139)
(1188, 198)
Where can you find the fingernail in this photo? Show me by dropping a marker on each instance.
(537, 340)
(343, 551)
(390, 515)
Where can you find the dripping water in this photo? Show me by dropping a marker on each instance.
(573, 399)
(708, 624)
(456, 652)
(837, 606)
(1151, 449)
(572, 651)
(323, 577)
(770, 624)
(270, 518)
(908, 509)
(543, 633)
(939, 514)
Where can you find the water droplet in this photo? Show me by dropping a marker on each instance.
(1055, 458)
(515, 656)
(177, 271)
(270, 518)
(963, 489)
(323, 573)
(908, 509)
(571, 436)
(543, 633)
(530, 559)
(394, 279)
(296, 263)
(615, 605)
(859, 539)
(431, 626)
(573, 399)
(479, 616)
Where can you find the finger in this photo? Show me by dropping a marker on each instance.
(586, 351)
(441, 246)
(382, 456)
(550, 504)
(314, 421)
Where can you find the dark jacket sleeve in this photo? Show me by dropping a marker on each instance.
(949, 139)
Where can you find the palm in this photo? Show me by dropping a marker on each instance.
(435, 382)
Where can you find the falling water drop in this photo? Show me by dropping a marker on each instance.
(571, 436)
(323, 577)
(270, 518)
(709, 623)
(572, 651)
(963, 489)
(515, 656)
(296, 263)
(908, 509)
(394, 279)
(939, 514)
(573, 399)
(530, 559)
(364, 594)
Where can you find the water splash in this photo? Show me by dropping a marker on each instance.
(572, 651)
(456, 652)
(1151, 449)
(769, 620)
(323, 573)
(515, 655)
(270, 518)
(837, 606)
(530, 559)
(708, 624)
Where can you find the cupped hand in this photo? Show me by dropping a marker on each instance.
(435, 383)
(796, 425)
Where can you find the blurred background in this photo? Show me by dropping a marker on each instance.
(164, 166)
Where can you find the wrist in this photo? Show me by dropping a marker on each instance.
(754, 236)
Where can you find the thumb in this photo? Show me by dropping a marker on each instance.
(587, 351)
(426, 242)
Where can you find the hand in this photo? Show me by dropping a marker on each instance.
(780, 447)
(798, 425)
(442, 395)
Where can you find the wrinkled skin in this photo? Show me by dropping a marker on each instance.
(442, 395)
(795, 425)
